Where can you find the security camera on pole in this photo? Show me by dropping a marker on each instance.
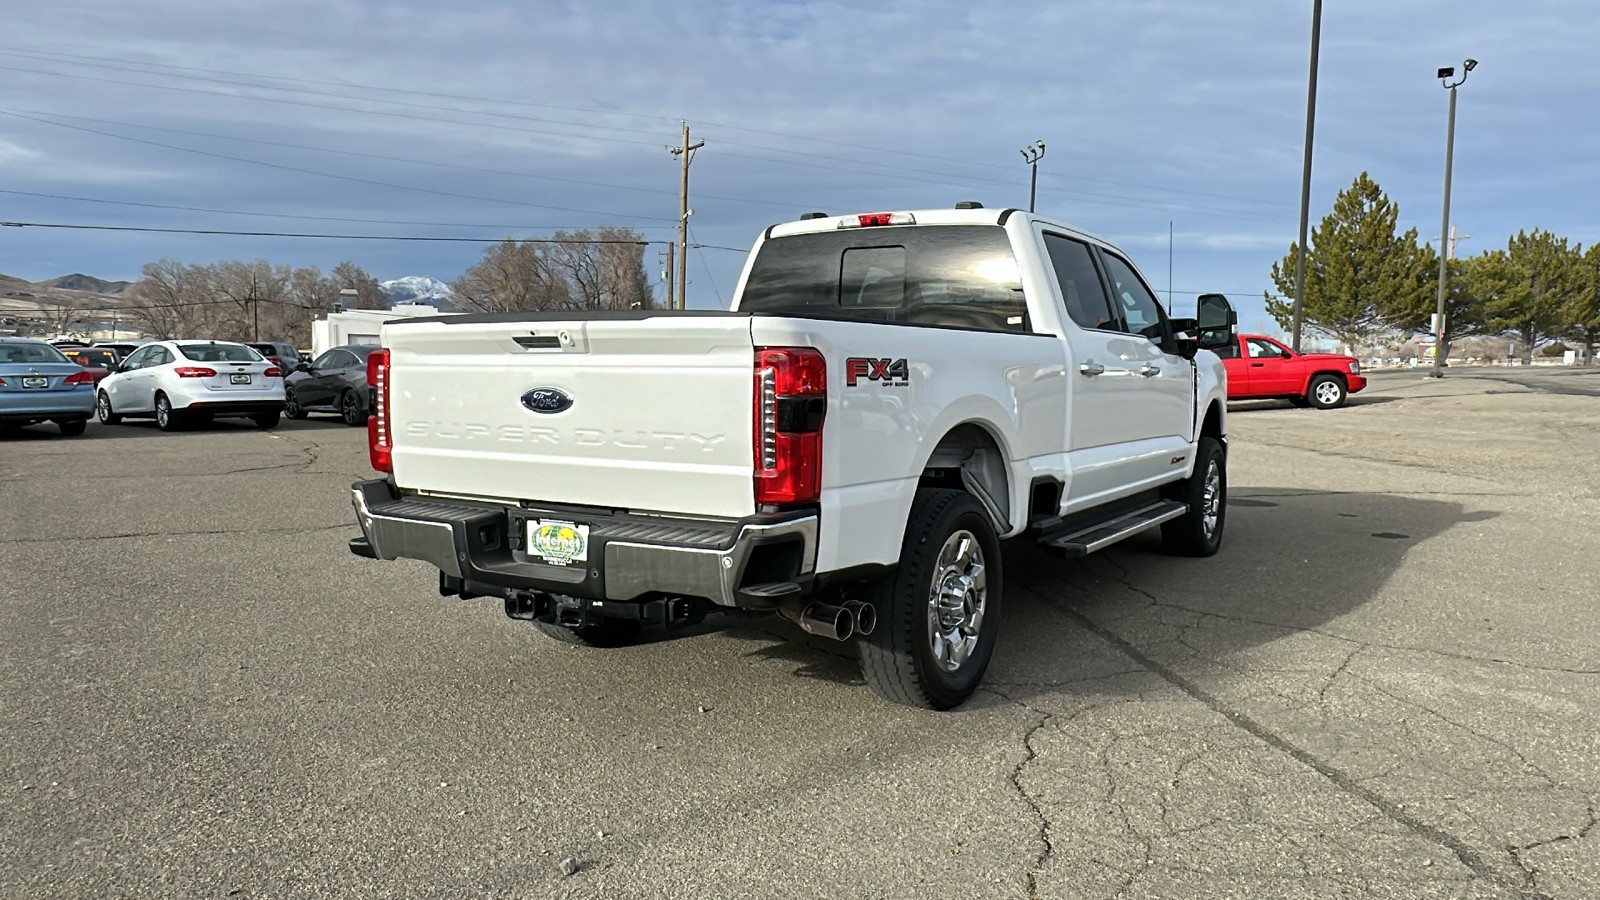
(1447, 77)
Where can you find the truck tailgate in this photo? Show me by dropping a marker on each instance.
(649, 414)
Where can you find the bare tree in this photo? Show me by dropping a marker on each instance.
(368, 294)
(573, 270)
(169, 299)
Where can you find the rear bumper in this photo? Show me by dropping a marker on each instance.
(25, 406)
(751, 563)
(234, 407)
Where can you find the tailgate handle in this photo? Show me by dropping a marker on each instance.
(539, 341)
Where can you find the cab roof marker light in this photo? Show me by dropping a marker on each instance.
(870, 220)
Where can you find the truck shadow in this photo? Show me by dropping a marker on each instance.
(1293, 560)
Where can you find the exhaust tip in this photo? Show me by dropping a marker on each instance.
(865, 614)
(822, 620)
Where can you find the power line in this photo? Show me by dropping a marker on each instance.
(290, 234)
(856, 145)
(879, 169)
(351, 178)
(240, 212)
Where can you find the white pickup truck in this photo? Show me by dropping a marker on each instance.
(891, 395)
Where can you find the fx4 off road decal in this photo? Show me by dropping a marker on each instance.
(891, 372)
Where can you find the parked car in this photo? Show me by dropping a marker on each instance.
(97, 361)
(122, 348)
(1261, 368)
(179, 381)
(282, 355)
(336, 381)
(38, 384)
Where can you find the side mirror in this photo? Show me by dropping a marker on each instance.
(1217, 321)
(1185, 338)
(302, 366)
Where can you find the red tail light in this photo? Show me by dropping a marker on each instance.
(195, 372)
(272, 372)
(80, 378)
(791, 397)
(380, 443)
(275, 360)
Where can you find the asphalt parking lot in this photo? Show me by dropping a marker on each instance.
(1387, 684)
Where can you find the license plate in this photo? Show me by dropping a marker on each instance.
(35, 381)
(558, 543)
(241, 379)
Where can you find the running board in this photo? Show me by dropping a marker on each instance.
(1098, 537)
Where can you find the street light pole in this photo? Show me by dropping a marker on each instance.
(1305, 171)
(1447, 77)
(1032, 154)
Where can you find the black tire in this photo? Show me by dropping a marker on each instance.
(898, 660)
(291, 406)
(265, 420)
(1327, 392)
(352, 409)
(102, 408)
(167, 418)
(73, 427)
(1198, 532)
(605, 633)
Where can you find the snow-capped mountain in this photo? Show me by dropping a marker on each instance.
(416, 289)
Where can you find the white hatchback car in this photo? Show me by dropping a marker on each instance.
(179, 381)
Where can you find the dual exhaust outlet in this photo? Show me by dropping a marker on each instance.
(839, 622)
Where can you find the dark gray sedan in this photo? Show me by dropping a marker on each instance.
(334, 382)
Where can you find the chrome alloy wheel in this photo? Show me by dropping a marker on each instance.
(1211, 503)
(956, 600)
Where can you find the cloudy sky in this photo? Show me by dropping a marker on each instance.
(492, 118)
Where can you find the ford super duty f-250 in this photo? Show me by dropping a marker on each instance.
(889, 397)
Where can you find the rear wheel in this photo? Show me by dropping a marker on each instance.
(604, 633)
(352, 409)
(167, 419)
(73, 427)
(291, 405)
(1198, 532)
(938, 615)
(265, 420)
(1326, 392)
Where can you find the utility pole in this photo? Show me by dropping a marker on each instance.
(1454, 239)
(685, 153)
(255, 311)
(1031, 155)
(1305, 171)
(671, 272)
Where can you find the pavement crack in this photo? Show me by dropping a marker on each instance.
(297, 529)
(1464, 853)
(1041, 719)
(1322, 695)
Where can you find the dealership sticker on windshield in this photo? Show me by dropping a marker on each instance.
(558, 543)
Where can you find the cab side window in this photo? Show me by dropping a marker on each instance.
(1081, 288)
(1263, 349)
(139, 359)
(1141, 313)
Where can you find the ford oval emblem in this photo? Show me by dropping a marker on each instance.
(547, 400)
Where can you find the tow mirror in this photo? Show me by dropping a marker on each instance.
(1216, 321)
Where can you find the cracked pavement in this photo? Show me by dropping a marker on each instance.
(1386, 685)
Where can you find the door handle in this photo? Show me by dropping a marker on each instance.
(1258, 365)
(1148, 370)
(1092, 369)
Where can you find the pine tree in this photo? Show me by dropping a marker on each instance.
(1358, 270)
(1534, 284)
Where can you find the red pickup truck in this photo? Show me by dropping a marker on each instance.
(1260, 368)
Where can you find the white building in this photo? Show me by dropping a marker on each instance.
(360, 326)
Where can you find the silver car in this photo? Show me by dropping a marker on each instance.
(38, 384)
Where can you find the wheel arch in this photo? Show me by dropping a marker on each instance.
(971, 457)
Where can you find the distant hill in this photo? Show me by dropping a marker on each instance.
(87, 283)
(416, 289)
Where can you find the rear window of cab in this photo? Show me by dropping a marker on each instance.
(955, 276)
(218, 353)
